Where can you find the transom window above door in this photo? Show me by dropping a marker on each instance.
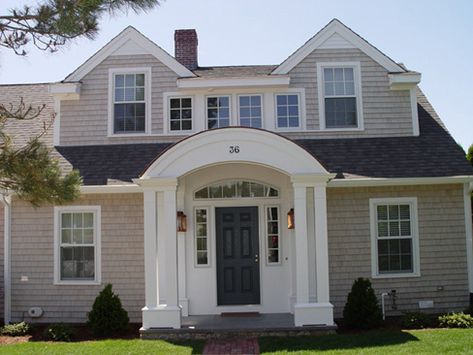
(236, 189)
(250, 110)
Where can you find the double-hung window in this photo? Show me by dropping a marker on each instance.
(77, 239)
(129, 102)
(339, 96)
(394, 237)
(287, 111)
(250, 110)
(180, 114)
(218, 111)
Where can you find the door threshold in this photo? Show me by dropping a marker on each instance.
(240, 314)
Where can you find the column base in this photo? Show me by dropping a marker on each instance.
(184, 303)
(313, 314)
(162, 316)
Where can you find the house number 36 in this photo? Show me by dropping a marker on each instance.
(234, 149)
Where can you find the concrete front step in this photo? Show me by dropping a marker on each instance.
(186, 333)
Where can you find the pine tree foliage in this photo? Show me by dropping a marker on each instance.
(362, 310)
(107, 317)
(52, 23)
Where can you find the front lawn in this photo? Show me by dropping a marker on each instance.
(432, 341)
(102, 347)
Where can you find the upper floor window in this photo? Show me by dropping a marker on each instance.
(250, 110)
(340, 97)
(218, 111)
(287, 111)
(394, 239)
(129, 103)
(180, 114)
(77, 238)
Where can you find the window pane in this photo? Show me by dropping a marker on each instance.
(66, 236)
(340, 112)
(175, 103)
(88, 236)
(328, 74)
(405, 228)
(383, 248)
(273, 256)
(202, 193)
(202, 257)
(201, 216)
(394, 246)
(119, 80)
(281, 100)
(66, 220)
(88, 220)
(130, 80)
(186, 125)
(119, 95)
(212, 124)
(201, 243)
(140, 94)
(406, 263)
(244, 100)
(77, 220)
(348, 72)
(383, 229)
(224, 113)
(129, 94)
(394, 229)
(212, 101)
(393, 212)
(404, 212)
(140, 80)
(212, 113)
(77, 236)
(224, 101)
(383, 263)
(255, 100)
(186, 103)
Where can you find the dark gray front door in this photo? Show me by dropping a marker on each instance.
(237, 255)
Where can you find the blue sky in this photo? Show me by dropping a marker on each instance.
(432, 37)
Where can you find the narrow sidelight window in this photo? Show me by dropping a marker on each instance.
(201, 236)
(273, 235)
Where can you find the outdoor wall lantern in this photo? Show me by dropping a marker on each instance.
(290, 219)
(181, 222)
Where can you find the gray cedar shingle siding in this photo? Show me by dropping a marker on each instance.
(433, 153)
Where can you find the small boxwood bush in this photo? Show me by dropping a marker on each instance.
(362, 310)
(16, 329)
(456, 320)
(58, 332)
(107, 317)
(416, 320)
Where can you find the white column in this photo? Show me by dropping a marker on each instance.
(181, 257)
(150, 252)
(160, 234)
(321, 243)
(302, 261)
(169, 230)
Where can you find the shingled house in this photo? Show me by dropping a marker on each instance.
(242, 188)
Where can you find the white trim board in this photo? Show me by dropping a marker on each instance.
(360, 182)
(336, 26)
(129, 34)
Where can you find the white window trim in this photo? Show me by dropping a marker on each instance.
(111, 74)
(301, 103)
(266, 248)
(412, 201)
(167, 96)
(96, 210)
(321, 94)
(209, 264)
(206, 113)
(261, 95)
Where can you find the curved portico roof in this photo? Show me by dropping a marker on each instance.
(234, 145)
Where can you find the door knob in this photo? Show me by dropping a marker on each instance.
(256, 258)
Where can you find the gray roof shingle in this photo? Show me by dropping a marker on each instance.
(432, 154)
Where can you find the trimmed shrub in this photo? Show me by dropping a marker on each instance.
(107, 316)
(362, 310)
(456, 320)
(58, 332)
(15, 330)
(416, 320)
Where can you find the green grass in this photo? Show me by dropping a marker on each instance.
(103, 347)
(432, 341)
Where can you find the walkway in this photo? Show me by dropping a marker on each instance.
(232, 346)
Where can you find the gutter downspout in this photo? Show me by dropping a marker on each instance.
(467, 187)
(6, 201)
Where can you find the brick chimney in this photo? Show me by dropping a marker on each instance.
(185, 48)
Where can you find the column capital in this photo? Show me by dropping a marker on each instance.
(310, 180)
(157, 184)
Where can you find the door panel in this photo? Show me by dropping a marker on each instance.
(238, 279)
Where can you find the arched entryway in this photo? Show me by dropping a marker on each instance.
(169, 185)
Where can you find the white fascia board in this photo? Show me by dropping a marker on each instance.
(404, 81)
(216, 83)
(361, 182)
(65, 91)
(335, 26)
(129, 33)
(110, 189)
